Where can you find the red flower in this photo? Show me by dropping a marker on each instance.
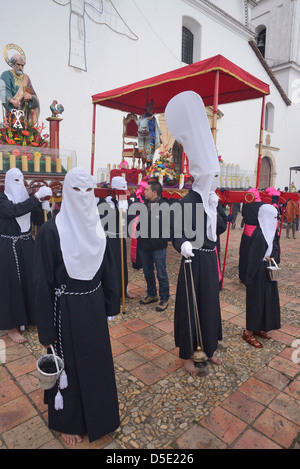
(16, 152)
(35, 144)
(25, 132)
(11, 142)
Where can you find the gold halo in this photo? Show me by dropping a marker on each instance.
(9, 47)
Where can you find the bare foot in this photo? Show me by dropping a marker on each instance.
(15, 335)
(214, 359)
(190, 367)
(71, 439)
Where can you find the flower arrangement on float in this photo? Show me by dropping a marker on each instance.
(163, 167)
(24, 146)
(27, 134)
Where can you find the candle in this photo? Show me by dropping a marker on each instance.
(1, 161)
(108, 166)
(69, 164)
(161, 179)
(36, 166)
(108, 177)
(48, 164)
(12, 161)
(24, 163)
(181, 181)
(58, 165)
(139, 177)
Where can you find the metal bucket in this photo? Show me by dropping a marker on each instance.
(274, 271)
(47, 378)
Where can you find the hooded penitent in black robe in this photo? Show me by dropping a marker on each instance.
(90, 400)
(206, 275)
(262, 298)
(16, 253)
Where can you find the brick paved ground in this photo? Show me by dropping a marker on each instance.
(251, 401)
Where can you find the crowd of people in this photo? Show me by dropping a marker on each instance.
(70, 279)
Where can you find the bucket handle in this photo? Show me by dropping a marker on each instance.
(272, 259)
(54, 355)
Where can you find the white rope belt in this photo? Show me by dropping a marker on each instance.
(204, 250)
(62, 383)
(58, 293)
(14, 240)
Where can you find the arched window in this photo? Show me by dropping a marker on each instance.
(191, 40)
(261, 39)
(187, 46)
(269, 117)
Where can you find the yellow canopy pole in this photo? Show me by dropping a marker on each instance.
(215, 107)
(261, 134)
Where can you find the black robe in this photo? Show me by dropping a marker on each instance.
(262, 298)
(249, 214)
(90, 400)
(205, 271)
(114, 241)
(16, 287)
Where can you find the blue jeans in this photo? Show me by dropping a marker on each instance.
(157, 259)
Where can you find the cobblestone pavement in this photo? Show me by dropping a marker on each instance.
(251, 401)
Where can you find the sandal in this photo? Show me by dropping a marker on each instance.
(252, 340)
(262, 334)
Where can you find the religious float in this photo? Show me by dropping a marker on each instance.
(217, 81)
(24, 144)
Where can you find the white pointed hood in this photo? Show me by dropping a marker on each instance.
(82, 238)
(187, 121)
(16, 192)
(267, 218)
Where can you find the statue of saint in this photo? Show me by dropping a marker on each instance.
(148, 133)
(17, 90)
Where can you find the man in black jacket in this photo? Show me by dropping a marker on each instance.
(154, 249)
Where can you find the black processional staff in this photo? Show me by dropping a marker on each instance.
(198, 356)
(122, 260)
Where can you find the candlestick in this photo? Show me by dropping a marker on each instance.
(12, 161)
(48, 164)
(181, 181)
(139, 177)
(58, 165)
(1, 161)
(24, 163)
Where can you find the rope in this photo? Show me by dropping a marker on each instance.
(57, 318)
(15, 239)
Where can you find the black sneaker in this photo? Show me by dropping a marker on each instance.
(162, 306)
(148, 299)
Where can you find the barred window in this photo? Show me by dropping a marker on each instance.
(187, 48)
